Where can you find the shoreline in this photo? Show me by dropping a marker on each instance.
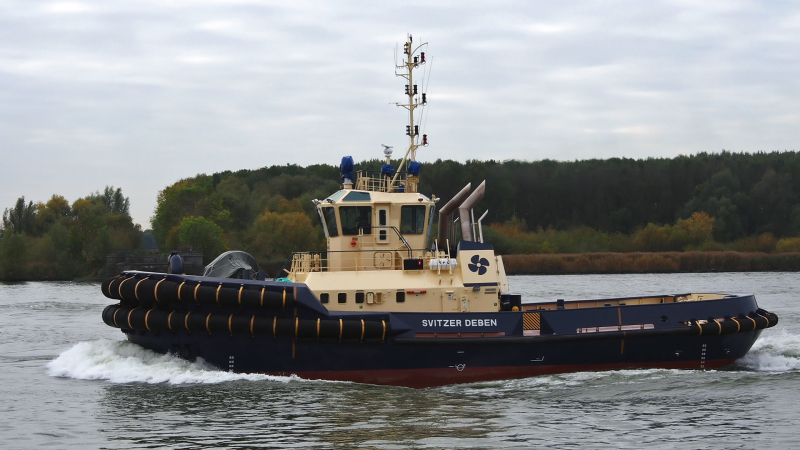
(616, 263)
(650, 262)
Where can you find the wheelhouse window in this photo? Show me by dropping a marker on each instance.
(336, 196)
(430, 227)
(355, 217)
(412, 219)
(357, 196)
(330, 221)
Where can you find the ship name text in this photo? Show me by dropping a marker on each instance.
(459, 322)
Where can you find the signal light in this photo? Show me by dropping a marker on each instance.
(424, 99)
(422, 57)
(424, 139)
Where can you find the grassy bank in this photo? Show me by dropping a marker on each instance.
(641, 262)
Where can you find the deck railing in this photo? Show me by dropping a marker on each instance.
(354, 260)
(368, 180)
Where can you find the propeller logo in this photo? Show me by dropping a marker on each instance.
(478, 264)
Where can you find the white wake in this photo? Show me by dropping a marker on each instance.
(124, 362)
(775, 352)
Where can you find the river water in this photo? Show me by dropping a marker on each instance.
(70, 381)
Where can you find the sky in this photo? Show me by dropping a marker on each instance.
(140, 94)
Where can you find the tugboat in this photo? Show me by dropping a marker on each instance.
(391, 303)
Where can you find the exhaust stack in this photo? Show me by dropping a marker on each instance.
(465, 211)
(446, 211)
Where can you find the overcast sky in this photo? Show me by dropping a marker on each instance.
(140, 94)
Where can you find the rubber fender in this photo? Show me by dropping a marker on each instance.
(159, 320)
(113, 288)
(145, 291)
(104, 287)
(729, 326)
(771, 317)
(108, 315)
(240, 323)
(746, 323)
(712, 326)
(761, 322)
(148, 291)
(127, 289)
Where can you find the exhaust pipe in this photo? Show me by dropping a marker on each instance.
(447, 210)
(466, 208)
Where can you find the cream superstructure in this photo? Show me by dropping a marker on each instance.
(381, 253)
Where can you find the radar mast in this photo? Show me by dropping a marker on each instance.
(413, 57)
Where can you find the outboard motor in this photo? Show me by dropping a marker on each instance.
(174, 263)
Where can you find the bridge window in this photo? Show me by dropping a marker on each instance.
(412, 219)
(355, 217)
(356, 196)
(337, 195)
(330, 221)
(430, 227)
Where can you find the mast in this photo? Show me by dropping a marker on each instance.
(412, 60)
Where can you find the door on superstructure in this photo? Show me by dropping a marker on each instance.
(383, 235)
(383, 257)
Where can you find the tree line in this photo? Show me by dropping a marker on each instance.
(56, 240)
(721, 201)
(707, 201)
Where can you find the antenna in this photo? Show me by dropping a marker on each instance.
(387, 151)
(413, 59)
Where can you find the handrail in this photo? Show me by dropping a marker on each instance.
(399, 235)
(324, 258)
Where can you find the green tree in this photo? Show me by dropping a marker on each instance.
(21, 218)
(275, 235)
(88, 234)
(199, 233)
(13, 256)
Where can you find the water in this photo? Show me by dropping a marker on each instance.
(68, 380)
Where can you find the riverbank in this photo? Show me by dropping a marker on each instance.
(650, 262)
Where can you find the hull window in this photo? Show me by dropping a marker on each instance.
(342, 297)
(401, 296)
(323, 298)
(359, 297)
